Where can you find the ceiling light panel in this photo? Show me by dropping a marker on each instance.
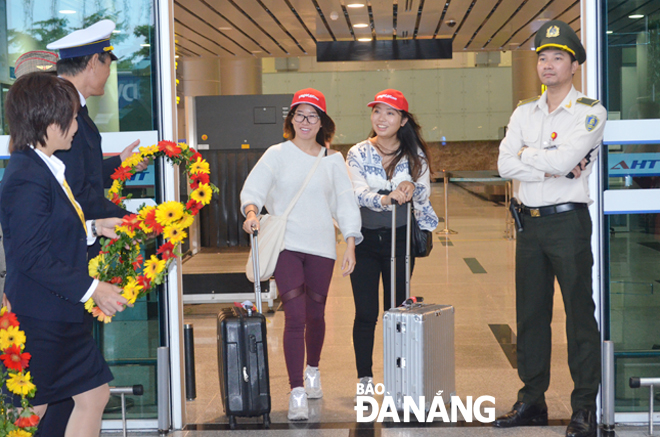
(518, 14)
(205, 18)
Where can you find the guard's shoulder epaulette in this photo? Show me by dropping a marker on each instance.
(587, 101)
(526, 101)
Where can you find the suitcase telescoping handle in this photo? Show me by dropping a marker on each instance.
(393, 256)
(254, 243)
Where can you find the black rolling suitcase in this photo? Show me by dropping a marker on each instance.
(243, 358)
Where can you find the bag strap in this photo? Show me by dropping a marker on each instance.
(304, 185)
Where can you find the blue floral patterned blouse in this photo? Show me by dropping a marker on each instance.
(368, 176)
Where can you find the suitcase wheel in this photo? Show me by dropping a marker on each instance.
(232, 422)
(266, 420)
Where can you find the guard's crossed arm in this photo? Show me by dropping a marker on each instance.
(586, 135)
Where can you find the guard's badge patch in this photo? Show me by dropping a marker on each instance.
(591, 122)
(552, 32)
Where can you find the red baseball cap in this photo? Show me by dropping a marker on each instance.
(311, 97)
(392, 98)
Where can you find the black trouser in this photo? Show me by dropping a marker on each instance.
(557, 245)
(373, 262)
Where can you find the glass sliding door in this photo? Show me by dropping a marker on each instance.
(631, 200)
(125, 112)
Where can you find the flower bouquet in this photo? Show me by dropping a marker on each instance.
(120, 261)
(15, 421)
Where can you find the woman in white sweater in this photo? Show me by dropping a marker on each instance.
(392, 165)
(304, 268)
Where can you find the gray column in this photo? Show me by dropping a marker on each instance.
(200, 76)
(240, 76)
(525, 80)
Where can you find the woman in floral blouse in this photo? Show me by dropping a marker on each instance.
(391, 166)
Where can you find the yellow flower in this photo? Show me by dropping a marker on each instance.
(132, 160)
(131, 290)
(126, 230)
(3, 311)
(11, 335)
(116, 186)
(200, 166)
(94, 265)
(174, 233)
(153, 267)
(100, 315)
(148, 150)
(145, 211)
(202, 194)
(20, 384)
(19, 433)
(90, 304)
(186, 221)
(183, 146)
(169, 212)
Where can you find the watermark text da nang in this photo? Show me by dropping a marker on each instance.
(366, 404)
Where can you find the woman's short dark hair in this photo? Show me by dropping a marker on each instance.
(73, 66)
(36, 101)
(325, 133)
(411, 142)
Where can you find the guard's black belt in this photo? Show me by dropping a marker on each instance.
(553, 209)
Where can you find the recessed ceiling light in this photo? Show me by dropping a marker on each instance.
(636, 16)
(224, 28)
(176, 56)
(67, 11)
(364, 39)
(609, 32)
(145, 45)
(256, 51)
(360, 25)
(355, 5)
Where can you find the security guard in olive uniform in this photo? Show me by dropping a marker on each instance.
(549, 147)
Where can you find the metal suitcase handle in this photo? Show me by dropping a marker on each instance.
(254, 242)
(393, 255)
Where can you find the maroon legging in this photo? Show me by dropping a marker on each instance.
(303, 281)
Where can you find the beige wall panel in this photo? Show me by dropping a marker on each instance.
(448, 102)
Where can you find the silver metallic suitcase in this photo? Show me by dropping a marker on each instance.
(418, 343)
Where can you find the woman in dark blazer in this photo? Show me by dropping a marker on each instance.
(46, 238)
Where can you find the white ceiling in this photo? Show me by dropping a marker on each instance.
(280, 28)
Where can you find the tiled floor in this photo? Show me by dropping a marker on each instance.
(482, 368)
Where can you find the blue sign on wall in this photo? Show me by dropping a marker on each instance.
(634, 164)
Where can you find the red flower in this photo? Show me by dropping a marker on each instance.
(27, 421)
(116, 199)
(122, 173)
(150, 221)
(115, 280)
(7, 320)
(170, 148)
(166, 251)
(144, 282)
(199, 178)
(194, 206)
(132, 221)
(138, 262)
(14, 359)
(196, 155)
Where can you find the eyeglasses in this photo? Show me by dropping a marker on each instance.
(311, 119)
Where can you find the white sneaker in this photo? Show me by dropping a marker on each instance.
(298, 409)
(365, 387)
(313, 383)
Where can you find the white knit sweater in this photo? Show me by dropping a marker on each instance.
(276, 179)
